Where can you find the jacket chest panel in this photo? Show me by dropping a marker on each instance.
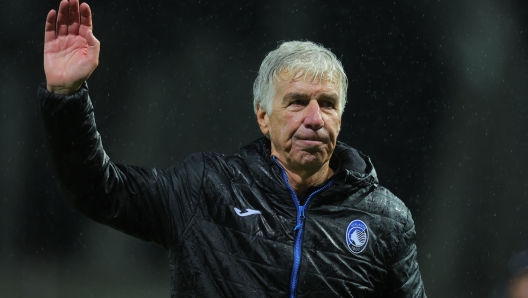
(246, 209)
(239, 238)
(330, 257)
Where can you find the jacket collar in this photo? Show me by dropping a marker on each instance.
(356, 167)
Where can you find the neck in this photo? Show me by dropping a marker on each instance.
(301, 180)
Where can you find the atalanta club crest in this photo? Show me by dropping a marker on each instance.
(357, 236)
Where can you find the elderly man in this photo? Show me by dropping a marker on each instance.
(293, 214)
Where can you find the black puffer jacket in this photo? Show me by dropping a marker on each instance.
(231, 224)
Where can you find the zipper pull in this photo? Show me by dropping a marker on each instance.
(301, 218)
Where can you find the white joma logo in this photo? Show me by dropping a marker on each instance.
(248, 212)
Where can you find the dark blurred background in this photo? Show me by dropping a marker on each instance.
(437, 98)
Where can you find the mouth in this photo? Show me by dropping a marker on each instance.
(310, 142)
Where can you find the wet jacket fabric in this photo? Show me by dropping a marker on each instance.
(231, 224)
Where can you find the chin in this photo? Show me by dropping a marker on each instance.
(311, 159)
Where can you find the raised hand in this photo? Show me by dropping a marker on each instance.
(71, 51)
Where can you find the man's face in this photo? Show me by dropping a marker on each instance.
(304, 122)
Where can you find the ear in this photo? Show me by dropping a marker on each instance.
(263, 120)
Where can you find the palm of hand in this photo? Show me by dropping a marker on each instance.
(66, 61)
(71, 52)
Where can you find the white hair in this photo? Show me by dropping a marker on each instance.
(298, 58)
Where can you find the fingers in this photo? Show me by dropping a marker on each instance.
(70, 17)
(86, 17)
(62, 19)
(49, 31)
(74, 17)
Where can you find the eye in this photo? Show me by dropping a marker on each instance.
(298, 102)
(327, 104)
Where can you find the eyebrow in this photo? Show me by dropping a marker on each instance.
(296, 95)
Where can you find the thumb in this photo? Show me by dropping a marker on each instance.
(90, 38)
(93, 44)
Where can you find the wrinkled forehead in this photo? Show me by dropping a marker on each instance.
(313, 75)
(287, 76)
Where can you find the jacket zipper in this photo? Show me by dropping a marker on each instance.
(299, 228)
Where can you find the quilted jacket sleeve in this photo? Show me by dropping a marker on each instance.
(404, 274)
(153, 205)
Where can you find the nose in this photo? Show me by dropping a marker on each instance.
(312, 117)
